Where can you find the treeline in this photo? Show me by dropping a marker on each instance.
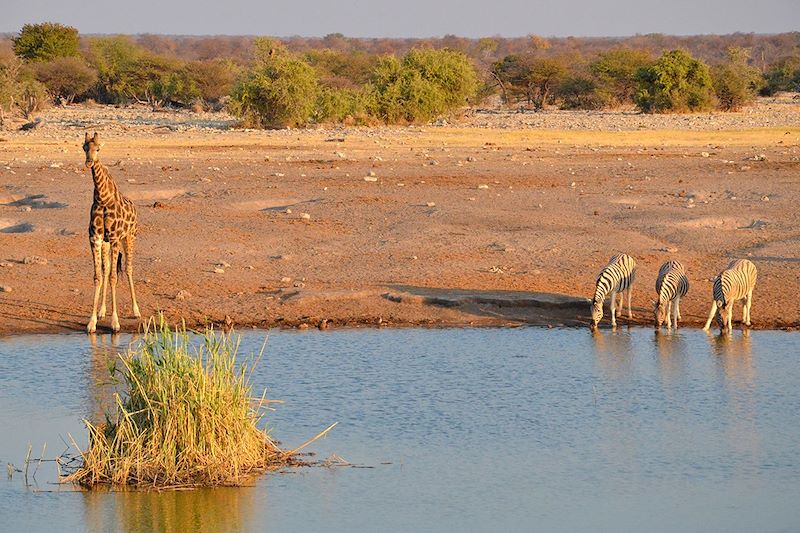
(296, 81)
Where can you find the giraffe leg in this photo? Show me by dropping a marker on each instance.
(97, 256)
(711, 315)
(129, 270)
(106, 273)
(115, 251)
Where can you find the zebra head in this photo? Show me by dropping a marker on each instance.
(659, 312)
(721, 306)
(597, 312)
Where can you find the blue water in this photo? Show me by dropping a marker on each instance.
(468, 430)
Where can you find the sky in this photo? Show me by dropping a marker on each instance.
(408, 18)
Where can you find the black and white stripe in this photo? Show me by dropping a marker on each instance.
(734, 283)
(616, 277)
(672, 284)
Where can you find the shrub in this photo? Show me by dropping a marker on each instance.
(212, 78)
(31, 97)
(66, 77)
(579, 92)
(342, 105)
(187, 417)
(529, 77)
(616, 74)
(735, 82)
(280, 90)
(10, 67)
(342, 70)
(784, 75)
(114, 59)
(46, 41)
(424, 85)
(675, 83)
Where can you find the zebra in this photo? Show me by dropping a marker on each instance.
(616, 277)
(671, 285)
(734, 283)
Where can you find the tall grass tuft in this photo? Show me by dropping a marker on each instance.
(186, 417)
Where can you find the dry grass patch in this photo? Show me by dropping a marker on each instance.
(186, 418)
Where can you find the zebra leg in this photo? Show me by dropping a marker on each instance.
(748, 304)
(613, 309)
(676, 307)
(669, 313)
(630, 293)
(711, 315)
(729, 321)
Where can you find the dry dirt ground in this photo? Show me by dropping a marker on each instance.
(503, 218)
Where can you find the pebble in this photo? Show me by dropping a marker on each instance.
(218, 270)
(431, 204)
(372, 173)
(223, 264)
(471, 159)
(305, 216)
(6, 264)
(704, 154)
(34, 260)
(765, 198)
(5, 288)
(483, 186)
(183, 295)
(370, 178)
(286, 279)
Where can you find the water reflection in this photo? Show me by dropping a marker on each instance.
(214, 510)
(100, 388)
(613, 352)
(672, 351)
(733, 355)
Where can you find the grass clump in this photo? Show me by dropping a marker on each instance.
(186, 417)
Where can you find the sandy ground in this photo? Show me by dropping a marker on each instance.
(504, 218)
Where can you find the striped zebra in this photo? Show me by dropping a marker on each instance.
(734, 283)
(616, 277)
(671, 285)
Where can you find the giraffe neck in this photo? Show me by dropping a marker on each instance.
(105, 190)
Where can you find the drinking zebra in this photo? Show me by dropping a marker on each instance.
(616, 277)
(734, 283)
(671, 285)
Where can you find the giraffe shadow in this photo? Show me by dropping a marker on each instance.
(36, 201)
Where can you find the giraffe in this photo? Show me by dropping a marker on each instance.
(112, 226)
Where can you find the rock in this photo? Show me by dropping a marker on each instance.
(223, 264)
(32, 125)
(765, 198)
(286, 279)
(372, 173)
(302, 326)
(704, 154)
(305, 216)
(183, 295)
(5, 288)
(218, 270)
(6, 264)
(471, 159)
(483, 186)
(25, 208)
(431, 204)
(34, 260)
(370, 178)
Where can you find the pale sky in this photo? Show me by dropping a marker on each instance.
(408, 18)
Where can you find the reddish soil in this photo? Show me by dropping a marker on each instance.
(472, 224)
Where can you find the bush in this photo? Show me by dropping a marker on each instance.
(675, 83)
(342, 70)
(10, 67)
(424, 85)
(31, 97)
(616, 74)
(213, 79)
(342, 105)
(187, 418)
(735, 82)
(279, 91)
(46, 41)
(784, 75)
(579, 92)
(115, 60)
(66, 77)
(529, 77)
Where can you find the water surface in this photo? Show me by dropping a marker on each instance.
(464, 429)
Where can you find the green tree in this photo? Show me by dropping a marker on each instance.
(46, 41)
(423, 85)
(10, 67)
(616, 73)
(529, 77)
(280, 90)
(66, 77)
(579, 92)
(213, 79)
(735, 82)
(115, 60)
(783, 75)
(677, 82)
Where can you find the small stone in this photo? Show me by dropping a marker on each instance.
(431, 204)
(183, 295)
(288, 211)
(572, 184)
(76, 291)
(765, 198)
(6, 264)
(370, 178)
(704, 154)
(483, 186)
(25, 208)
(5, 288)
(302, 326)
(218, 270)
(471, 159)
(286, 279)
(223, 264)
(305, 216)
(34, 260)
(372, 173)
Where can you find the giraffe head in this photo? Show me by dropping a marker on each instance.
(91, 145)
